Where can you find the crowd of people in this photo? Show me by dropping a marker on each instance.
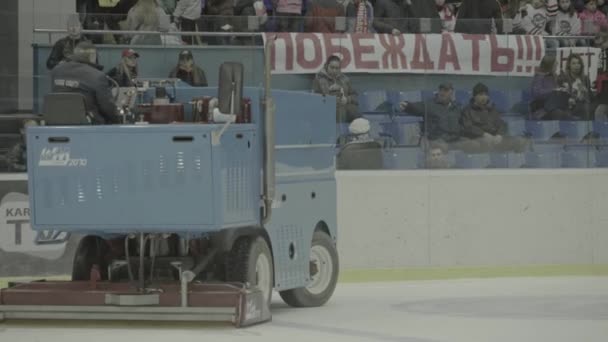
(537, 17)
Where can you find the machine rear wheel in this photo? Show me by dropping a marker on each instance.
(91, 251)
(250, 261)
(324, 274)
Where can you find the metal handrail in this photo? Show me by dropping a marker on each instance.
(224, 34)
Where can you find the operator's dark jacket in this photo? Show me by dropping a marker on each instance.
(441, 121)
(82, 77)
(477, 120)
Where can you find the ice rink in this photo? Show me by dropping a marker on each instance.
(546, 309)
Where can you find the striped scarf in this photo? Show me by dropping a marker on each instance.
(361, 21)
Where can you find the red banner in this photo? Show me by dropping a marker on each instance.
(451, 53)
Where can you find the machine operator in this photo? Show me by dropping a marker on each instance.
(81, 74)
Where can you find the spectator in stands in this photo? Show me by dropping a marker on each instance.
(321, 16)
(482, 122)
(187, 71)
(243, 10)
(447, 15)
(532, 19)
(64, 47)
(479, 17)
(125, 72)
(331, 81)
(548, 102)
(359, 131)
(146, 15)
(186, 13)
(16, 157)
(442, 119)
(360, 16)
(436, 157)
(592, 18)
(575, 82)
(289, 13)
(390, 16)
(566, 23)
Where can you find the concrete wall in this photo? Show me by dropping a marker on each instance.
(8, 59)
(422, 219)
(472, 218)
(37, 14)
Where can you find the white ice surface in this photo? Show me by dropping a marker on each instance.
(505, 309)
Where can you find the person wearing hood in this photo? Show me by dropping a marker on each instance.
(64, 47)
(81, 75)
(331, 81)
(187, 71)
(482, 122)
(125, 72)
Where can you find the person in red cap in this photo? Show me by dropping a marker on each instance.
(125, 72)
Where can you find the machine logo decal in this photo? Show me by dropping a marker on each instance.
(59, 156)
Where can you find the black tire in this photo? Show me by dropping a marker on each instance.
(242, 260)
(303, 297)
(91, 250)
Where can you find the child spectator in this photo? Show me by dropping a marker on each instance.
(592, 19)
(567, 23)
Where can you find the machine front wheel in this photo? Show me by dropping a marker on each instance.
(250, 261)
(324, 269)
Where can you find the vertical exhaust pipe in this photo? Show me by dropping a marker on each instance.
(269, 132)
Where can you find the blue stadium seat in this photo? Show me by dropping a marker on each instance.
(374, 101)
(463, 97)
(539, 146)
(543, 160)
(507, 160)
(500, 100)
(403, 158)
(575, 130)
(542, 130)
(601, 158)
(428, 94)
(472, 161)
(526, 95)
(516, 125)
(601, 128)
(578, 158)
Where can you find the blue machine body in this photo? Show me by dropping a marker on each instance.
(122, 179)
